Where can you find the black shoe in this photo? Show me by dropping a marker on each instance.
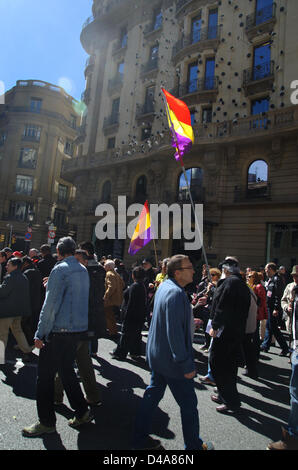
(149, 444)
(284, 353)
(115, 356)
(251, 375)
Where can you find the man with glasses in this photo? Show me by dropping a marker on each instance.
(170, 357)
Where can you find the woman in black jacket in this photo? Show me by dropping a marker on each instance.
(135, 303)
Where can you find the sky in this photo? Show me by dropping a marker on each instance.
(40, 39)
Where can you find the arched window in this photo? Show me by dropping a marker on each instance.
(257, 178)
(195, 180)
(106, 192)
(141, 189)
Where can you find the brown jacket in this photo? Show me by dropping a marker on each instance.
(114, 286)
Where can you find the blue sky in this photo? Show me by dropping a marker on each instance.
(40, 39)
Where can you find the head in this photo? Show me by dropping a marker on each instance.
(253, 278)
(215, 275)
(229, 266)
(147, 264)
(17, 254)
(294, 274)
(261, 275)
(3, 256)
(8, 252)
(82, 257)
(88, 247)
(180, 269)
(109, 265)
(282, 270)
(27, 263)
(33, 253)
(164, 265)
(138, 274)
(45, 250)
(13, 264)
(270, 269)
(66, 247)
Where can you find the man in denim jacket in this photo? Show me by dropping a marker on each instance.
(63, 319)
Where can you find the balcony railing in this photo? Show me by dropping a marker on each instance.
(116, 82)
(152, 27)
(261, 16)
(146, 108)
(204, 34)
(259, 72)
(151, 65)
(259, 191)
(112, 120)
(197, 86)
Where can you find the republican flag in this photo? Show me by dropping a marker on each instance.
(180, 123)
(143, 233)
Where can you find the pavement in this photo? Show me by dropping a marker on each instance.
(265, 406)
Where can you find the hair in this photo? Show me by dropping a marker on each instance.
(243, 275)
(272, 266)
(16, 262)
(88, 246)
(165, 261)
(255, 277)
(66, 246)
(82, 253)
(261, 276)
(45, 249)
(215, 271)
(3, 253)
(174, 264)
(27, 260)
(110, 263)
(138, 273)
(7, 250)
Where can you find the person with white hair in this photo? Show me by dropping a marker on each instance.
(113, 297)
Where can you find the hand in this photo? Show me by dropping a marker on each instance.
(45, 281)
(190, 375)
(202, 301)
(38, 343)
(290, 309)
(275, 313)
(213, 333)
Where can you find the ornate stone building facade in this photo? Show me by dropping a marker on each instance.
(233, 64)
(38, 130)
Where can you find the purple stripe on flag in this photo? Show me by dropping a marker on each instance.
(184, 145)
(140, 242)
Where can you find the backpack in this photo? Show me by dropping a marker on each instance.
(251, 322)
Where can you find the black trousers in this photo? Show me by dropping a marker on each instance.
(58, 355)
(250, 348)
(131, 340)
(224, 359)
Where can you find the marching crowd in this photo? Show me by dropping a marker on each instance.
(63, 303)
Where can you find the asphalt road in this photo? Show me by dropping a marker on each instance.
(122, 383)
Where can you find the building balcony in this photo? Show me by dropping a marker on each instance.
(198, 195)
(258, 191)
(206, 38)
(202, 90)
(259, 78)
(261, 21)
(152, 30)
(184, 7)
(150, 68)
(146, 110)
(111, 123)
(116, 83)
(89, 67)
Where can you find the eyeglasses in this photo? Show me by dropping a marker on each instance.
(214, 274)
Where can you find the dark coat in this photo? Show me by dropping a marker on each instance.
(35, 284)
(230, 306)
(97, 320)
(134, 305)
(15, 296)
(46, 265)
(274, 293)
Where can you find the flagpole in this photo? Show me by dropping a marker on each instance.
(188, 187)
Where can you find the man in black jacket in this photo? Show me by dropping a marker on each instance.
(274, 288)
(14, 304)
(29, 324)
(229, 314)
(45, 266)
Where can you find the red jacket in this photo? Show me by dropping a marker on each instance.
(260, 292)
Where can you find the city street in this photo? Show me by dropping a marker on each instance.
(122, 383)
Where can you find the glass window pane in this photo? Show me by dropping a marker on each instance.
(196, 29)
(192, 77)
(212, 24)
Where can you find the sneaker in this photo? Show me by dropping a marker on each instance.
(37, 429)
(207, 446)
(287, 442)
(150, 444)
(77, 422)
(205, 380)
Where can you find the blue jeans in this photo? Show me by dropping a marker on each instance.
(293, 418)
(272, 329)
(184, 393)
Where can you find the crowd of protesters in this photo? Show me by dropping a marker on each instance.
(63, 303)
